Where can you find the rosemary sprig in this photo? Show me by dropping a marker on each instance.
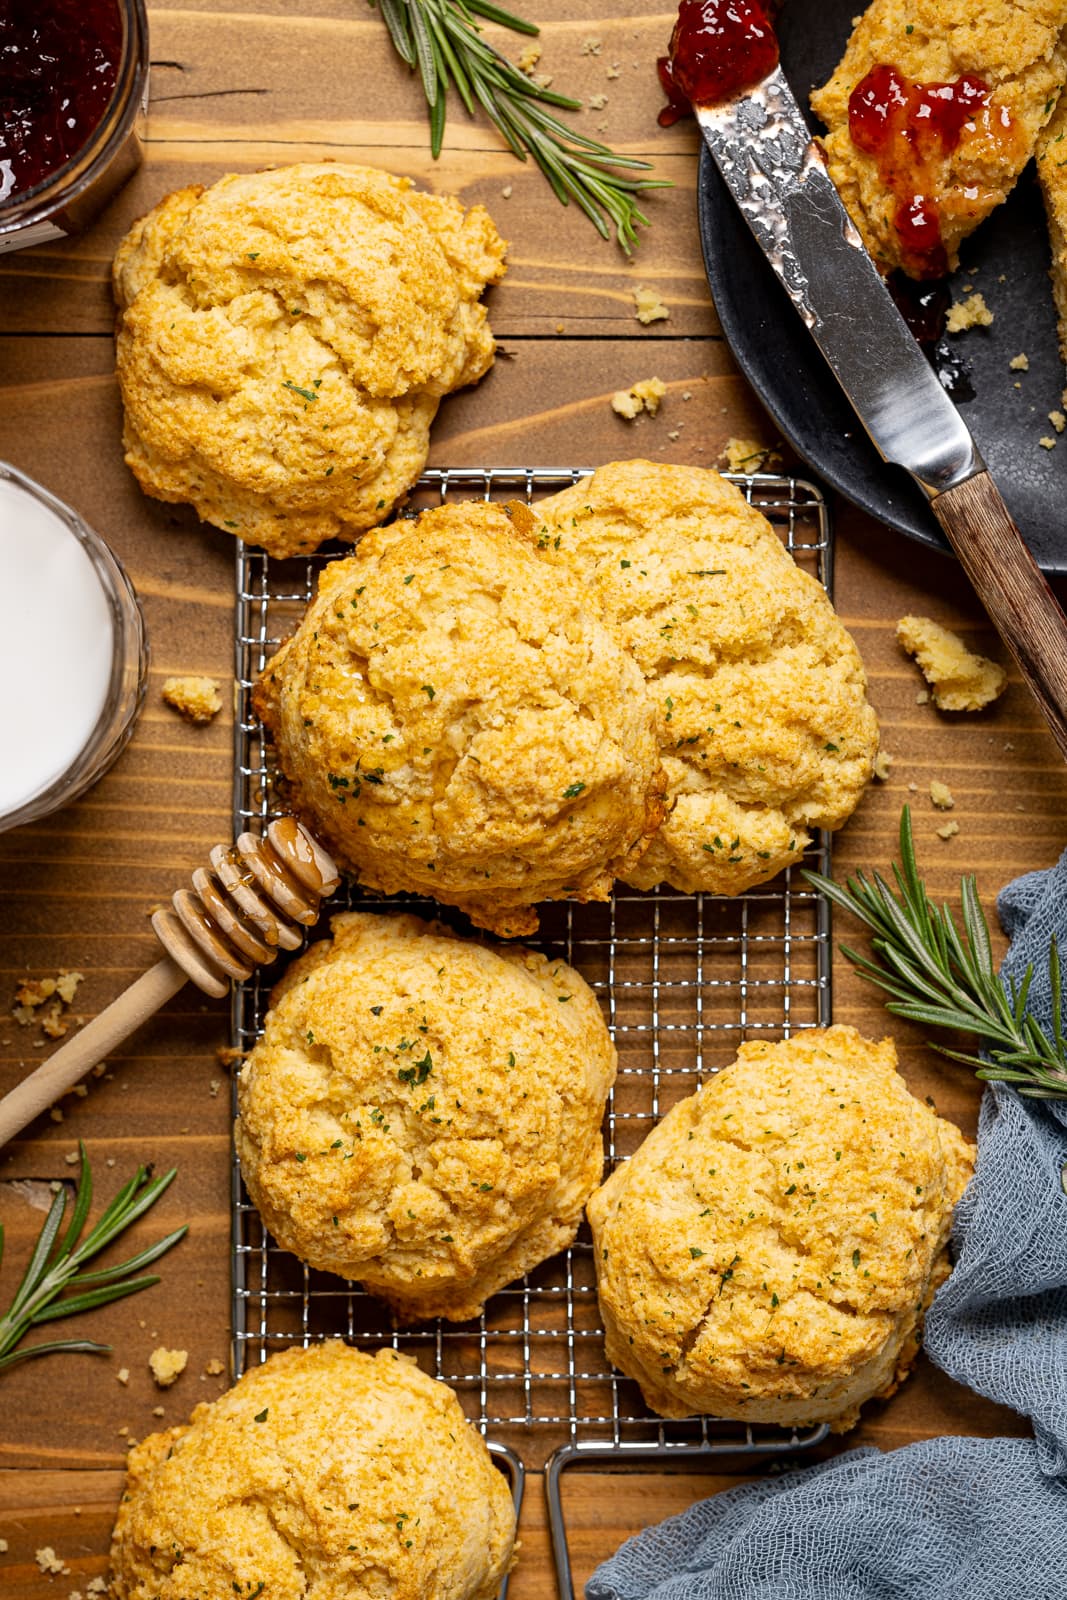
(442, 40)
(943, 975)
(57, 1264)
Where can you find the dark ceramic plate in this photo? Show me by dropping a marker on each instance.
(787, 371)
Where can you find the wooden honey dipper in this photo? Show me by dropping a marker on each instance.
(254, 901)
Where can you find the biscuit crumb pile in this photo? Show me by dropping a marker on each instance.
(970, 313)
(48, 1561)
(325, 1472)
(196, 699)
(746, 455)
(167, 1366)
(453, 720)
(768, 1252)
(642, 396)
(959, 679)
(422, 1113)
(648, 307)
(285, 338)
(44, 1000)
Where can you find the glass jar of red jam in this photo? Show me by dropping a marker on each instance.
(73, 93)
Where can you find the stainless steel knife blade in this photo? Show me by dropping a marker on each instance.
(776, 173)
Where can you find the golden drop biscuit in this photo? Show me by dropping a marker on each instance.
(1015, 47)
(422, 1112)
(768, 1252)
(454, 722)
(284, 340)
(764, 728)
(1052, 172)
(324, 1471)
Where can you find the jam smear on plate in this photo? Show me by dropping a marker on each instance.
(59, 61)
(909, 128)
(719, 49)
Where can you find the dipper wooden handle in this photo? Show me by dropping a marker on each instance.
(1013, 590)
(254, 900)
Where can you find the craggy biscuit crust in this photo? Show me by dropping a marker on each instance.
(767, 1253)
(284, 340)
(454, 722)
(423, 1112)
(1017, 48)
(1052, 171)
(762, 716)
(324, 1472)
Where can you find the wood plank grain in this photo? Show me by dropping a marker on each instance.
(559, 269)
(203, 123)
(74, 889)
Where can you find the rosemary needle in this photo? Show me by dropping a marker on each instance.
(57, 1264)
(943, 975)
(442, 40)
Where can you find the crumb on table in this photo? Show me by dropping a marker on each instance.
(941, 795)
(197, 699)
(643, 396)
(167, 1366)
(970, 313)
(48, 1561)
(529, 58)
(746, 455)
(1058, 420)
(960, 680)
(948, 830)
(42, 1000)
(1047, 442)
(1020, 363)
(648, 307)
(882, 763)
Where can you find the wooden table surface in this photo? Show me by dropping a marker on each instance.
(240, 84)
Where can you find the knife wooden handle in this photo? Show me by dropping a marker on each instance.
(1011, 586)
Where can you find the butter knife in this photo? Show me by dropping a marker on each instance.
(775, 171)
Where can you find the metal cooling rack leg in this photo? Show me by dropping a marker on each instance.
(516, 1473)
(690, 1457)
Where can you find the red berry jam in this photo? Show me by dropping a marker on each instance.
(59, 60)
(719, 49)
(909, 128)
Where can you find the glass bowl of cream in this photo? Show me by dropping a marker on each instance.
(73, 652)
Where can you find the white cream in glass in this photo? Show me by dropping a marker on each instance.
(72, 652)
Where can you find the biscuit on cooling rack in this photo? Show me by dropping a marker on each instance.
(324, 1470)
(454, 722)
(422, 1112)
(768, 1252)
(764, 727)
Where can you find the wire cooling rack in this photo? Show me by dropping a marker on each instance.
(682, 979)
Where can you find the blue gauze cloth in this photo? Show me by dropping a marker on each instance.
(978, 1519)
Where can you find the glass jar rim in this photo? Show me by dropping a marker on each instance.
(61, 187)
